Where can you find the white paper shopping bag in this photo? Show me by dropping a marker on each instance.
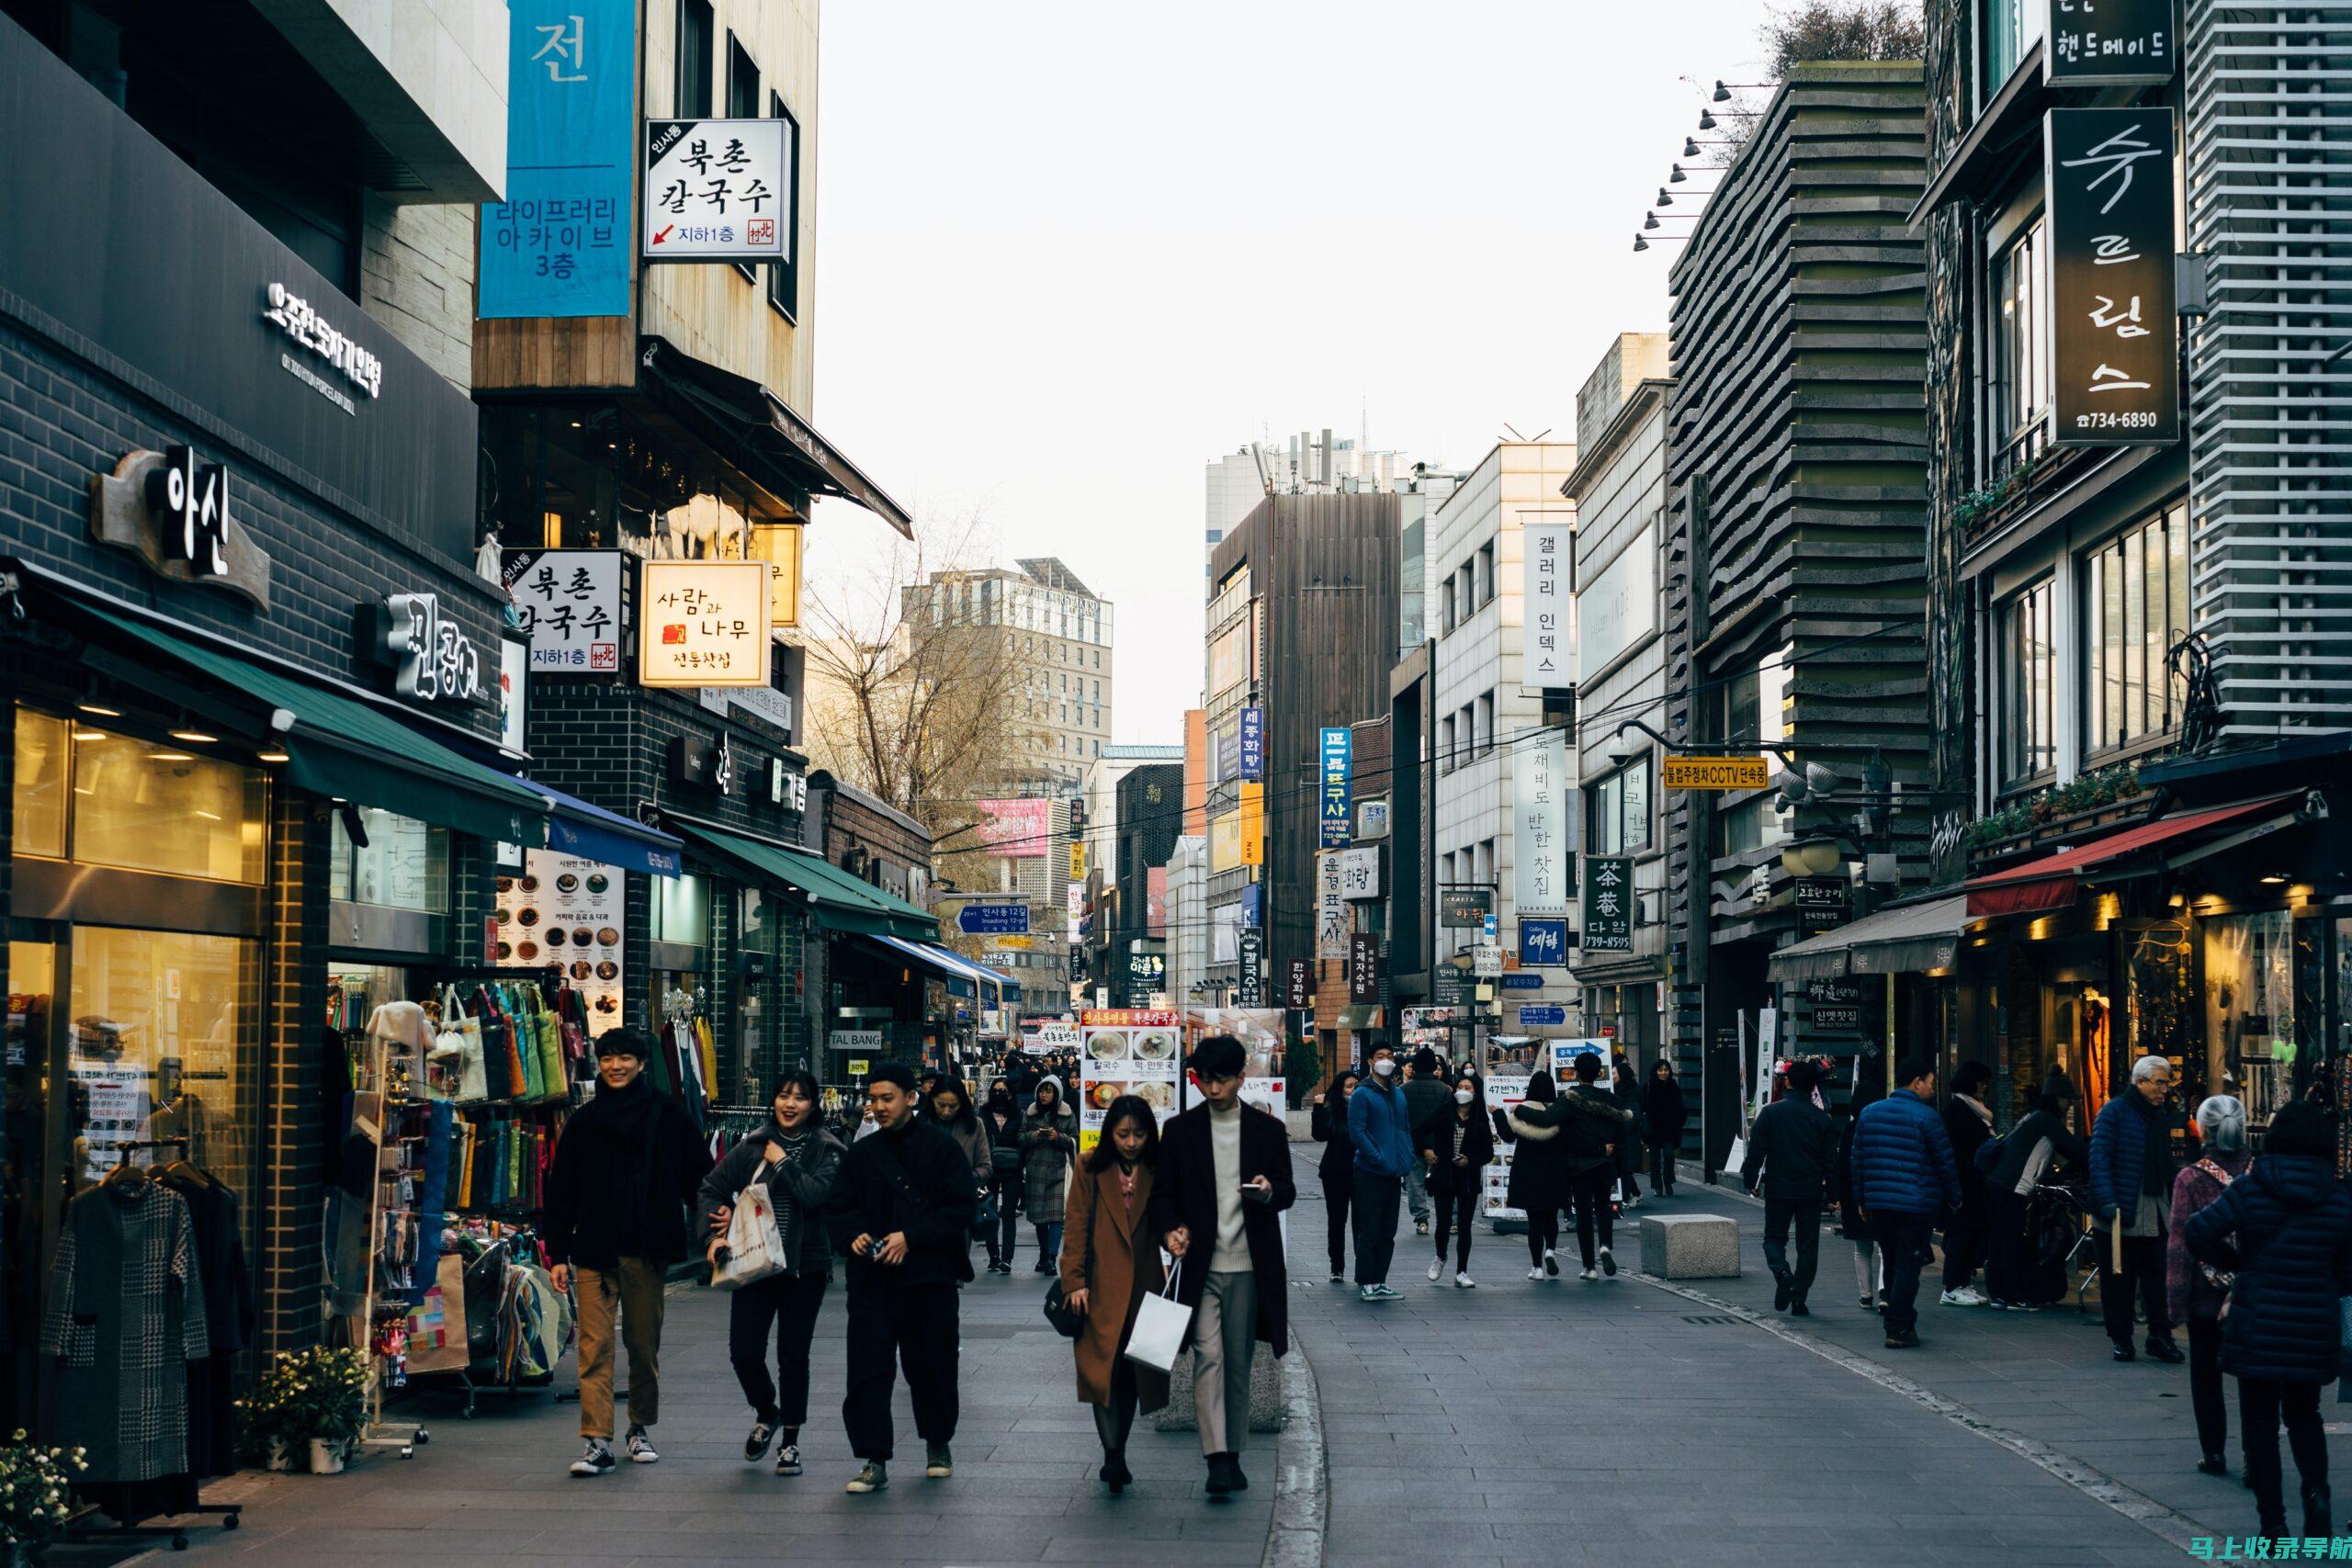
(755, 1241)
(1162, 1324)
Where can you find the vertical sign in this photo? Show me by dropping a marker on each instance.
(1364, 968)
(1543, 658)
(1298, 987)
(1608, 904)
(1251, 947)
(2115, 340)
(1331, 908)
(2111, 42)
(1253, 745)
(1253, 824)
(1339, 806)
(716, 190)
(1540, 846)
(559, 244)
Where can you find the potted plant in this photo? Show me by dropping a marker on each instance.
(312, 1400)
(36, 1496)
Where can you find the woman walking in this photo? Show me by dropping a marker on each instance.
(1627, 1087)
(1048, 1144)
(1455, 1145)
(1967, 1122)
(1869, 1274)
(1539, 1174)
(2286, 1233)
(2198, 1291)
(1106, 1273)
(1663, 1114)
(1001, 1117)
(950, 1105)
(2015, 1279)
(797, 1160)
(1328, 1123)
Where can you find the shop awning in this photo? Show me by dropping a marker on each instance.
(838, 901)
(1908, 940)
(1006, 983)
(1361, 1015)
(2053, 881)
(578, 828)
(340, 747)
(963, 978)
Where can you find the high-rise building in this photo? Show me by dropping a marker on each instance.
(1057, 633)
(1313, 462)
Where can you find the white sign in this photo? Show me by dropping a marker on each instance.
(1359, 873)
(1546, 644)
(1372, 819)
(570, 602)
(433, 660)
(1126, 1051)
(1505, 1092)
(868, 1040)
(1541, 860)
(1485, 961)
(1331, 908)
(569, 912)
(716, 190)
(292, 315)
(1056, 1037)
(1618, 607)
(703, 623)
(514, 660)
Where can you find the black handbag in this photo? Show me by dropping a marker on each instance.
(1067, 1321)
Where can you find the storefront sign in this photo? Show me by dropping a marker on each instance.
(1545, 663)
(695, 760)
(1054, 1037)
(1023, 943)
(2115, 339)
(787, 785)
(995, 917)
(2111, 42)
(1126, 1051)
(1372, 819)
(1822, 903)
(1249, 956)
(1486, 961)
(1298, 985)
(1465, 908)
(1543, 942)
(1147, 976)
(433, 660)
(354, 365)
(570, 602)
(1337, 754)
(569, 913)
(1253, 824)
(855, 1040)
(1541, 855)
(1363, 968)
(554, 247)
(1608, 904)
(514, 683)
(1019, 830)
(1253, 745)
(716, 190)
(1714, 772)
(1077, 859)
(703, 623)
(1617, 606)
(1331, 908)
(172, 509)
(1229, 751)
(1359, 873)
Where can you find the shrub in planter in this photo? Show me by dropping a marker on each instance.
(316, 1395)
(36, 1493)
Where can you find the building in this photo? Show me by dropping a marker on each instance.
(1057, 639)
(1101, 798)
(1309, 463)
(1151, 818)
(1619, 488)
(1794, 546)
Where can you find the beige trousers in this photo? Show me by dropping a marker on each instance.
(1225, 1338)
(631, 1292)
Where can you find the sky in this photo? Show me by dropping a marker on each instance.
(1068, 252)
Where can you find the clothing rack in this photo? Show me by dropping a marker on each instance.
(124, 1149)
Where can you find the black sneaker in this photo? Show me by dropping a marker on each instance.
(2214, 1464)
(755, 1447)
(597, 1459)
(872, 1478)
(938, 1464)
(2123, 1351)
(1784, 1290)
(1798, 1309)
(1220, 1480)
(787, 1459)
(1908, 1341)
(1233, 1473)
(2164, 1350)
(1609, 1263)
(640, 1448)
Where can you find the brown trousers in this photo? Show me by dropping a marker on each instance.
(633, 1293)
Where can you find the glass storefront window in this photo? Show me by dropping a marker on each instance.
(2026, 659)
(42, 752)
(2250, 1008)
(681, 910)
(161, 1024)
(404, 865)
(150, 806)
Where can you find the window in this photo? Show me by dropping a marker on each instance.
(2026, 746)
(784, 276)
(1617, 811)
(2135, 607)
(696, 32)
(2020, 389)
(2011, 26)
(1486, 722)
(140, 805)
(1445, 746)
(1469, 733)
(404, 865)
(1468, 576)
(1445, 603)
(1486, 573)
(681, 911)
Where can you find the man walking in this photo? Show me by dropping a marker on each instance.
(626, 1165)
(1791, 1149)
(901, 1210)
(2132, 1172)
(1427, 1092)
(1224, 1177)
(1904, 1172)
(1380, 1124)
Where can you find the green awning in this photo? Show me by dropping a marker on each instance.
(839, 901)
(342, 748)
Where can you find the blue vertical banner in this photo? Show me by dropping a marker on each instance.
(1338, 803)
(1253, 745)
(560, 242)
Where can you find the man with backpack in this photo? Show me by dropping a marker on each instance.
(1792, 1149)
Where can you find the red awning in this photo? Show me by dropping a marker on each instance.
(2051, 882)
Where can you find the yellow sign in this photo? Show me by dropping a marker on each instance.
(778, 543)
(1715, 773)
(1224, 842)
(859, 1066)
(1253, 824)
(1021, 943)
(703, 623)
(1077, 859)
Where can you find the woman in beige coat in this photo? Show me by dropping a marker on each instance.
(1109, 1262)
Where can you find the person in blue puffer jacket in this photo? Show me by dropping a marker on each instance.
(1904, 1172)
(2285, 1230)
(1380, 1125)
(2132, 1171)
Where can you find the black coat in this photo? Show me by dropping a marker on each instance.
(626, 1165)
(2286, 1229)
(1445, 1178)
(1968, 1134)
(1538, 1183)
(1328, 1123)
(1793, 1147)
(1850, 1222)
(2008, 1167)
(1664, 1112)
(918, 1181)
(1183, 1193)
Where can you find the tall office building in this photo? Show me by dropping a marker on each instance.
(1313, 462)
(1057, 633)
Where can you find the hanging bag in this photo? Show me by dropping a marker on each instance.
(1067, 1321)
(473, 1078)
(755, 1241)
(1162, 1324)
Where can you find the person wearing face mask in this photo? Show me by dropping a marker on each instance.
(1109, 1265)
(1455, 1145)
(1328, 1123)
(1001, 1117)
(1379, 1126)
(797, 1160)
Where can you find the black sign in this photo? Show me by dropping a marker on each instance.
(1460, 908)
(1445, 986)
(1251, 992)
(1077, 964)
(1608, 904)
(695, 760)
(2111, 42)
(2115, 340)
(1146, 974)
(1298, 990)
(1822, 903)
(1364, 968)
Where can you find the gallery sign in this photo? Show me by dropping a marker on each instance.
(716, 190)
(703, 623)
(570, 602)
(171, 510)
(2110, 43)
(2115, 336)
(1543, 943)
(1545, 663)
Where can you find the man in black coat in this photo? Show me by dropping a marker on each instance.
(1793, 1148)
(1224, 1177)
(626, 1166)
(902, 1214)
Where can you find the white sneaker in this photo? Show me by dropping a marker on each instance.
(1634, 1202)
(1436, 1269)
(1589, 1274)
(1551, 1263)
(1461, 1282)
(1536, 1273)
(1963, 1297)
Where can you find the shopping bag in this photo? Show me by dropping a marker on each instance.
(755, 1242)
(1162, 1324)
(436, 1325)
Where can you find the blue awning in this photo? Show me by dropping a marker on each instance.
(1006, 983)
(577, 828)
(963, 978)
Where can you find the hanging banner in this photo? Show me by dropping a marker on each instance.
(1253, 745)
(1541, 858)
(1363, 968)
(1018, 830)
(1338, 752)
(1298, 985)
(1125, 1051)
(1608, 904)
(1253, 824)
(1331, 908)
(2110, 43)
(559, 244)
(2115, 339)
(1250, 955)
(1545, 662)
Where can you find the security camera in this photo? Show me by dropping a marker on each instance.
(1621, 750)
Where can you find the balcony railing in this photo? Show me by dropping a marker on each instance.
(2028, 471)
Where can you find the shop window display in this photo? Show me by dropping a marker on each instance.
(138, 805)
(2250, 1008)
(160, 1022)
(404, 864)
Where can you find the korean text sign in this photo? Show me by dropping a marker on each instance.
(1545, 662)
(2115, 339)
(571, 605)
(1253, 745)
(1541, 856)
(1338, 805)
(2111, 42)
(703, 623)
(1608, 904)
(716, 190)
(559, 244)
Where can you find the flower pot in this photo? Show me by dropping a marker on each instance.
(278, 1456)
(326, 1457)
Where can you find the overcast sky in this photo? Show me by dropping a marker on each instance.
(1069, 251)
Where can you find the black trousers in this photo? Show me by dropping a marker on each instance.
(1008, 1190)
(1337, 1191)
(2007, 1272)
(1662, 1167)
(1590, 1190)
(1543, 1234)
(1904, 1244)
(1113, 1421)
(1376, 1202)
(2144, 1271)
(1966, 1240)
(1779, 1213)
(2205, 1394)
(789, 1302)
(2262, 1404)
(894, 1328)
(1454, 1212)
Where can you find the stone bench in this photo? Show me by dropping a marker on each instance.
(1689, 1247)
(1266, 1411)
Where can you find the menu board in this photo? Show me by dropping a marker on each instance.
(1260, 1030)
(1125, 1051)
(1504, 1092)
(568, 911)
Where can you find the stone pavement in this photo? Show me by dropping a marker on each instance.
(492, 1490)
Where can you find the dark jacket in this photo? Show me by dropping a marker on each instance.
(1850, 1222)
(1592, 1125)
(918, 1181)
(1968, 1133)
(1663, 1112)
(1423, 1099)
(2286, 1230)
(1380, 1127)
(1793, 1148)
(626, 1166)
(1183, 1192)
(801, 1189)
(2187, 1290)
(1903, 1160)
(2024, 1138)
(1538, 1183)
(2130, 1153)
(1434, 1135)
(1328, 1123)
